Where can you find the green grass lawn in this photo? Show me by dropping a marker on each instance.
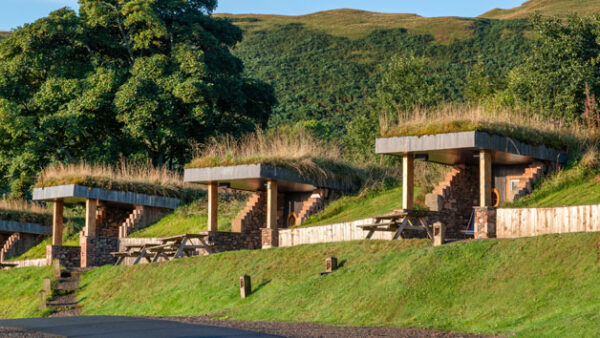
(19, 291)
(542, 286)
(574, 186)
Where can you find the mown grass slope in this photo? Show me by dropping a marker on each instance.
(546, 7)
(354, 24)
(19, 291)
(543, 286)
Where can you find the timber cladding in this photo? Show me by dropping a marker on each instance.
(527, 222)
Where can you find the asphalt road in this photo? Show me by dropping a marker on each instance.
(107, 326)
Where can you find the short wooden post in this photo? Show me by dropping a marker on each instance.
(245, 286)
(47, 285)
(43, 300)
(485, 178)
(56, 268)
(91, 206)
(213, 206)
(331, 264)
(439, 233)
(57, 222)
(408, 181)
(272, 204)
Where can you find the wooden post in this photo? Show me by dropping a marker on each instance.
(408, 181)
(272, 204)
(331, 264)
(245, 286)
(213, 206)
(57, 222)
(56, 268)
(485, 178)
(439, 233)
(91, 206)
(43, 305)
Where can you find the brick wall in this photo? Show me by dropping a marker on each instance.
(456, 196)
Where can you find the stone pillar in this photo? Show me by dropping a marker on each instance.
(484, 224)
(213, 205)
(91, 206)
(485, 178)
(57, 222)
(272, 204)
(408, 181)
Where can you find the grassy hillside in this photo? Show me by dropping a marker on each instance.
(19, 291)
(546, 7)
(353, 24)
(544, 286)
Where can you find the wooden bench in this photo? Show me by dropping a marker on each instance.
(400, 220)
(171, 248)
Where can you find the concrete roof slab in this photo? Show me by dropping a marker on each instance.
(252, 177)
(76, 193)
(454, 148)
(24, 228)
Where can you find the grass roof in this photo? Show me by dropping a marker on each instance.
(530, 129)
(143, 178)
(24, 212)
(291, 149)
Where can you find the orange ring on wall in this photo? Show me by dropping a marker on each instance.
(496, 197)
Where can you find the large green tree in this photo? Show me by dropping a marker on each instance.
(141, 78)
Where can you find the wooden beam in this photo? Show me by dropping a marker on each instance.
(213, 206)
(485, 178)
(57, 222)
(91, 206)
(272, 204)
(408, 181)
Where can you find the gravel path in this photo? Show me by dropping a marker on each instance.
(317, 330)
(22, 333)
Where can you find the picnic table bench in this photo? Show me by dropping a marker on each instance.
(169, 248)
(400, 220)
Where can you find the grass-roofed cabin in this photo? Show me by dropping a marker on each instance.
(489, 168)
(118, 201)
(291, 175)
(22, 226)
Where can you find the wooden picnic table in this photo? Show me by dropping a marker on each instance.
(170, 248)
(400, 220)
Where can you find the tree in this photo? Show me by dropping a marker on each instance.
(553, 79)
(122, 78)
(408, 82)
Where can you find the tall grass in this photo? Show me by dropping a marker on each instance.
(293, 149)
(526, 127)
(24, 212)
(125, 176)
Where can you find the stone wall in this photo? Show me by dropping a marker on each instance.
(484, 224)
(17, 244)
(232, 241)
(110, 217)
(253, 216)
(456, 196)
(141, 217)
(69, 256)
(95, 251)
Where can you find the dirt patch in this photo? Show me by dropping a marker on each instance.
(316, 330)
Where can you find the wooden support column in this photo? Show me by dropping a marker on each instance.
(272, 204)
(57, 222)
(485, 178)
(213, 206)
(408, 181)
(91, 206)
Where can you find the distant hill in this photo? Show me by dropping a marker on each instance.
(356, 24)
(546, 7)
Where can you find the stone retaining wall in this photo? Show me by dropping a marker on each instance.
(95, 251)
(69, 256)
